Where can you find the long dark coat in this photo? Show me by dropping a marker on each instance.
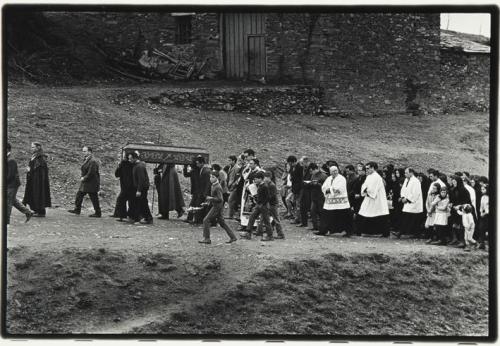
(169, 190)
(90, 173)
(37, 192)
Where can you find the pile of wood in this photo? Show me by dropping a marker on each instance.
(157, 65)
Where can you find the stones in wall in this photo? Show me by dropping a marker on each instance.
(362, 60)
(261, 101)
(465, 82)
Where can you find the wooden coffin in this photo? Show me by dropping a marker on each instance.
(154, 153)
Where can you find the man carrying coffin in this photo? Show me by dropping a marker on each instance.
(374, 209)
(413, 205)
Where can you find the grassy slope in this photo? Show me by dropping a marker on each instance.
(369, 294)
(64, 119)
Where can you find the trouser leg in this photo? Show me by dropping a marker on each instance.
(145, 211)
(207, 221)
(253, 216)
(11, 195)
(273, 211)
(223, 224)
(265, 221)
(289, 199)
(95, 202)
(297, 197)
(233, 203)
(79, 200)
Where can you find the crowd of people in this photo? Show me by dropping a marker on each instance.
(444, 210)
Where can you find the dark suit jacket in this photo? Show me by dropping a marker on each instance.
(297, 177)
(91, 179)
(140, 176)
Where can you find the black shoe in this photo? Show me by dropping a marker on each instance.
(74, 211)
(28, 217)
(95, 215)
(146, 222)
(347, 235)
(205, 241)
(320, 233)
(245, 236)
(120, 220)
(163, 217)
(232, 240)
(280, 236)
(301, 225)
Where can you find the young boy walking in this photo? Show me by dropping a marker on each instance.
(216, 199)
(261, 209)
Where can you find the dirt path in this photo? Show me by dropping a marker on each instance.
(174, 238)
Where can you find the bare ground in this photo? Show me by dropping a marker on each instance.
(69, 274)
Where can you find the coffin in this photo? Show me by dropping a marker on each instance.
(154, 153)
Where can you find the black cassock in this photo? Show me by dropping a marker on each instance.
(37, 192)
(167, 184)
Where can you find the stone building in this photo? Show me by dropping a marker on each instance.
(362, 62)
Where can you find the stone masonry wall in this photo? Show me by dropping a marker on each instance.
(465, 81)
(362, 60)
(120, 33)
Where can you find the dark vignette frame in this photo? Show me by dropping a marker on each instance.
(493, 117)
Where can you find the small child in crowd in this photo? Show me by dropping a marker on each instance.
(468, 222)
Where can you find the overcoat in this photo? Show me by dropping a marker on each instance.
(90, 173)
(37, 192)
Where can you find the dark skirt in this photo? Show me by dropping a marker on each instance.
(335, 221)
(410, 223)
(373, 225)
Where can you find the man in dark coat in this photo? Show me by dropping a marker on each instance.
(318, 177)
(127, 191)
(37, 192)
(193, 173)
(13, 182)
(89, 183)
(355, 196)
(296, 176)
(203, 187)
(141, 186)
(169, 190)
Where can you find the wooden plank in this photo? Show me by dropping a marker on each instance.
(241, 47)
(230, 28)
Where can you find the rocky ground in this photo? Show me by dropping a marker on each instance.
(69, 274)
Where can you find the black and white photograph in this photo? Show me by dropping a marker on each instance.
(249, 172)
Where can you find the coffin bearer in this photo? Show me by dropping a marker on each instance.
(169, 190)
(216, 200)
(13, 182)
(374, 209)
(37, 192)
(141, 185)
(127, 192)
(89, 183)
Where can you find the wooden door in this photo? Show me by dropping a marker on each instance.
(244, 45)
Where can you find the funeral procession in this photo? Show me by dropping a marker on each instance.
(269, 173)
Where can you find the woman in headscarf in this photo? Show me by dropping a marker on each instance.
(37, 192)
(458, 196)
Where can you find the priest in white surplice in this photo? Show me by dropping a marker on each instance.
(413, 204)
(374, 209)
(336, 214)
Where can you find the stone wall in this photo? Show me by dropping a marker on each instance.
(126, 33)
(465, 81)
(361, 60)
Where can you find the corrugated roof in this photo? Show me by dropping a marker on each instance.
(455, 40)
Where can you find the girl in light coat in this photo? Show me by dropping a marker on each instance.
(431, 211)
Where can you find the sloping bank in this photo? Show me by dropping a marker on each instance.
(359, 294)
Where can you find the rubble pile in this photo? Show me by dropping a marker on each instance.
(261, 101)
